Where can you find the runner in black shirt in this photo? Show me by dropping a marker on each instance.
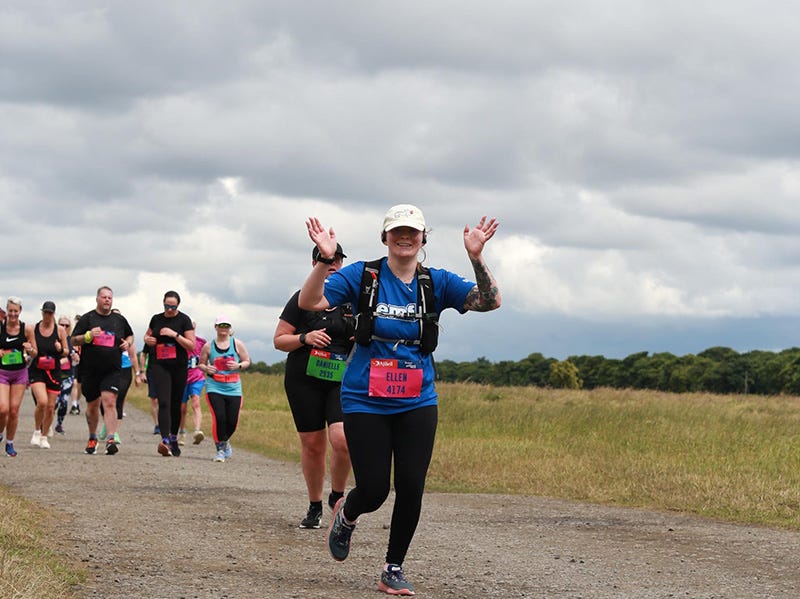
(170, 337)
(102, 335)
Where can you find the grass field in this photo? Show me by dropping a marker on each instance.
(730, 457)
(733, 458)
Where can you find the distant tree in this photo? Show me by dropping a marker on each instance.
(726, 371)
(564, 375)
(277, 368)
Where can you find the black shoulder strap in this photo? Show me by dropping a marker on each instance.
(367, 299)
(426, 304)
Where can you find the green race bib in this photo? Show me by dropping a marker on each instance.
(326, 365)
(13, 358)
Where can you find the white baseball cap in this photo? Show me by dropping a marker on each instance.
(404, 215)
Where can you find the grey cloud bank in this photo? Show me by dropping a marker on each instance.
(643, 161)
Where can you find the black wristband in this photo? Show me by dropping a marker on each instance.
(303, 338)
(330, 260)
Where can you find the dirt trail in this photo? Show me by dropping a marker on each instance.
(148, 526)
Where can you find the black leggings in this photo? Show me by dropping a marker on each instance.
(373, 439)
(224, 415)
(169, 383)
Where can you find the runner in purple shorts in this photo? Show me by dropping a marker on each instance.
(17, 349)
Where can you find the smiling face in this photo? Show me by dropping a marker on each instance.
(12, 312)
(404, 242)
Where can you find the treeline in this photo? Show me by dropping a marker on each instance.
(715, 370)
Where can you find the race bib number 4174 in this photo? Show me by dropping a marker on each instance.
(394, 378)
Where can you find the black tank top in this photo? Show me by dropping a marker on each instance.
(46, 346)
(12, 342)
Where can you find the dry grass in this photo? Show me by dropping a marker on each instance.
(27, 567)
(730, 457)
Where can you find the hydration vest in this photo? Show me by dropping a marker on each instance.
(426, 309)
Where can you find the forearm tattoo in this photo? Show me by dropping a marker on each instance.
(482, 297)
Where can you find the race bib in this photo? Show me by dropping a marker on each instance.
(221, 363)
(13, 358)
(394, 378)
(326, 365)
(166, 351)
(104, 339)
(46, 363)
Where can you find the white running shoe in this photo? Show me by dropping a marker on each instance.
(220, 456)
(44, 443)
(37, 438)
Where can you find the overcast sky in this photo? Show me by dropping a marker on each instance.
(642, 158)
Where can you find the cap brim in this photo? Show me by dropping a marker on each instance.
(405, 223)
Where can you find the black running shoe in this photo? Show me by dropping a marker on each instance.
(111, 447)
(91, 446)
(313, 517)
(394, 582)
(175, 448)
(339, 533)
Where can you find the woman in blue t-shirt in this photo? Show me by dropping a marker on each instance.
(388, 398)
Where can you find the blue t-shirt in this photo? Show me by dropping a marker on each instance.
(394, 298)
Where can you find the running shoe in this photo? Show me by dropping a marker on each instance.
(91, 446)
(175, 448)
(163, 449)
(10, 451)
(182, 438)
(117, 439)
(394, 582)
(36, 439)
(75, 409)
(111, 447)
(220, 455)
(103, 435)
(44, 443)
(197, 437)
(228, 450)
(339, 533)
(59, 429)
(313, 517)
(156, 430)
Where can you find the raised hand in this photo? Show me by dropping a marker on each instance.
(325, 240)
(476, 238)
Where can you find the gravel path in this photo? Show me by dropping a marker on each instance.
(148, 526)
